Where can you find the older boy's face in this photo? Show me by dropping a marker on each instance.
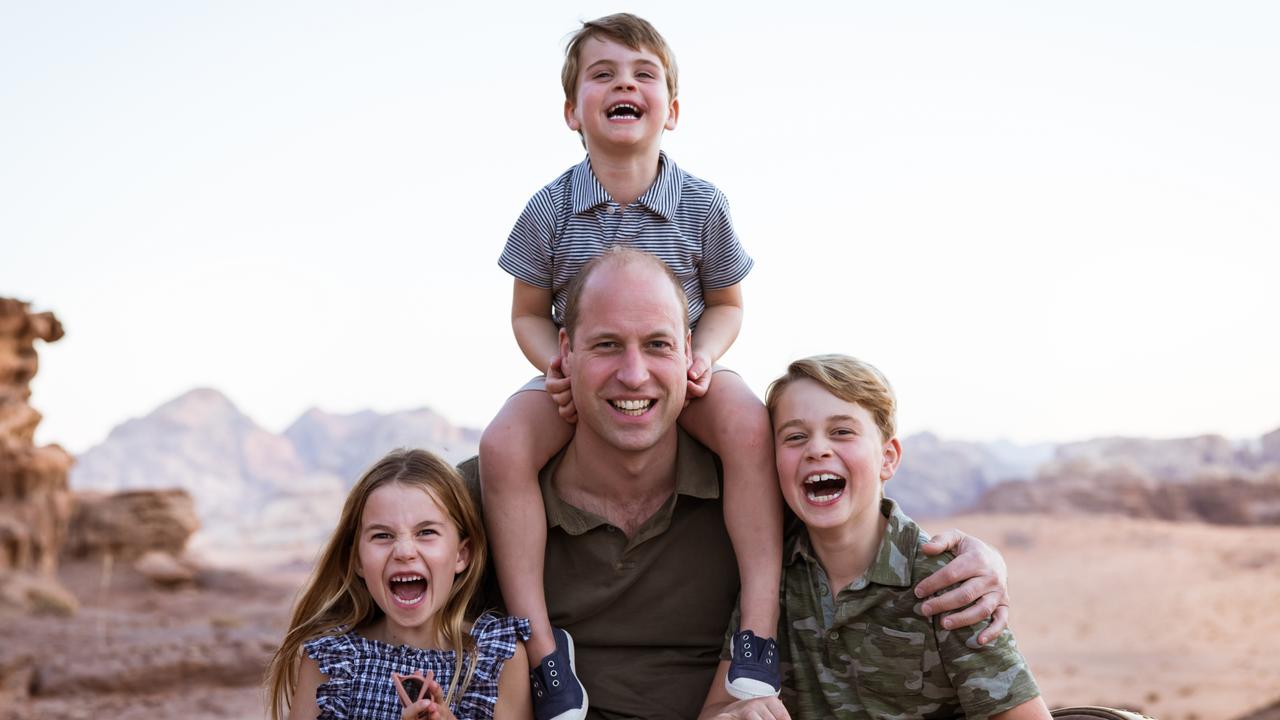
(622, 97)
(831, 458)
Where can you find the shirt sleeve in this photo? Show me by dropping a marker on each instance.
(988, 679)
(530, 247)
(724, 261)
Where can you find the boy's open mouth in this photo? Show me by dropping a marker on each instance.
(408, 588)
(824, 487)
(634, 408)
(624, 111)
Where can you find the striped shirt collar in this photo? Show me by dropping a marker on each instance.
(892, 565)
(662, 197)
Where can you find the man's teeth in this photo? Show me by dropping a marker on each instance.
(631, 407)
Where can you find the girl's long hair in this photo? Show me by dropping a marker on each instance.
(336, 600)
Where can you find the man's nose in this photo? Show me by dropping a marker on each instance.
(633, 370)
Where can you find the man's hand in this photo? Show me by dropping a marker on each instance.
(559, 390)
(983, 589)
(755, 709)
(699, 375)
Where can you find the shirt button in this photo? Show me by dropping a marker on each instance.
(833, 636)
(612, 210)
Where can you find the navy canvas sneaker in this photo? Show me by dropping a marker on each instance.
(557, 694)
(753, 671)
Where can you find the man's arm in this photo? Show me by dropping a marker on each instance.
(720, 705)
(982, 589)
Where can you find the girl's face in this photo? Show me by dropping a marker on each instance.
(408, 553)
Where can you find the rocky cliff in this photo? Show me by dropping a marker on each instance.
(35, 503)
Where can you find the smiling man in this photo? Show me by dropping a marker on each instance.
(639, 568)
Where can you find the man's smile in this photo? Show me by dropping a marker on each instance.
(634, 408)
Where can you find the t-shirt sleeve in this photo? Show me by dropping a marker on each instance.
(333, 653)
(529, 250)
(988, 679)
(724, 261)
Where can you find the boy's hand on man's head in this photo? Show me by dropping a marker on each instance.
(700, 375)
(982, 585)
(559, 389)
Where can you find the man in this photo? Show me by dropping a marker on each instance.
(639, 568)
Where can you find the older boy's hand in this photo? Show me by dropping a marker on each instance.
(560, 391)
(982, 589)
(699, 375)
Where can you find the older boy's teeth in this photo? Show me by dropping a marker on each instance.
(824, 487)
(631, 407)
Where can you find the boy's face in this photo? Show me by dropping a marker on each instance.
(832, 460)
(622, 100)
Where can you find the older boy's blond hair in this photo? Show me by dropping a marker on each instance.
(849, 379)
(627, 29)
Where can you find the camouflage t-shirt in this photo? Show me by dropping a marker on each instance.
(869, 653)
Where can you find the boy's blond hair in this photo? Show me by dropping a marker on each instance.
(849, 379)
(627, 29)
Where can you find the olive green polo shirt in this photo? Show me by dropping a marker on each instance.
(647, 613)
(867, 652)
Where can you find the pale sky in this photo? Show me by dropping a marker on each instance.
(1044, 221)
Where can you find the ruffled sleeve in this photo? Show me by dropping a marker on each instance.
(334, 654)
(496, 636)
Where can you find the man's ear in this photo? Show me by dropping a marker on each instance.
(565, 347)
(688, 350)
(673, 114)
(892, 456)
(569, 118)
(464, 556)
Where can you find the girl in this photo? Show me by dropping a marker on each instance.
(388, 596)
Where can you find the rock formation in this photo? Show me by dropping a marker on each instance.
(35, 504)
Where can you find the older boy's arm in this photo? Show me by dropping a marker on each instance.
(718, 328)
(720, 705)
(1033, 709)
(983, 585)
(536, 333)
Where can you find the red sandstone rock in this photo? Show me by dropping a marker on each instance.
(35, 503)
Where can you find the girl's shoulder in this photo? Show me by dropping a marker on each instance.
(496, 635)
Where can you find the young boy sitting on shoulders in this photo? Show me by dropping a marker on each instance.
(853, 641)
(619, 80)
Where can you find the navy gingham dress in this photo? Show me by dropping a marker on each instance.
(358, 669)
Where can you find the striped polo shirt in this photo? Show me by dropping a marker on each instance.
(681, 219)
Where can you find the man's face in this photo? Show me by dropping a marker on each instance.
(629, 359)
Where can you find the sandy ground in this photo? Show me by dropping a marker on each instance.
(1179, 621)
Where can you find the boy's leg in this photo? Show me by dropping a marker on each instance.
(526, 433)
(733, 422)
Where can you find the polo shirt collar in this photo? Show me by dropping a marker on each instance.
(663, 197)
(892, 565)
(696, 477)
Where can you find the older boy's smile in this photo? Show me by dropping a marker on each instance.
(824, 488)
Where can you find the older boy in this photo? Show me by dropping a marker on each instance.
(620, 86)
(853, 641)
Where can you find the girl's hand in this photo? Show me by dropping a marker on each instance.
(437, 709)
(420, 710)
(558, 388)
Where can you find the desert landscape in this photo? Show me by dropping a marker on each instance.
(155, 578)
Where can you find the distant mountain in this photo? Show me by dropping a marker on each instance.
(255, 490)
(939, 477)
(344, 445)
